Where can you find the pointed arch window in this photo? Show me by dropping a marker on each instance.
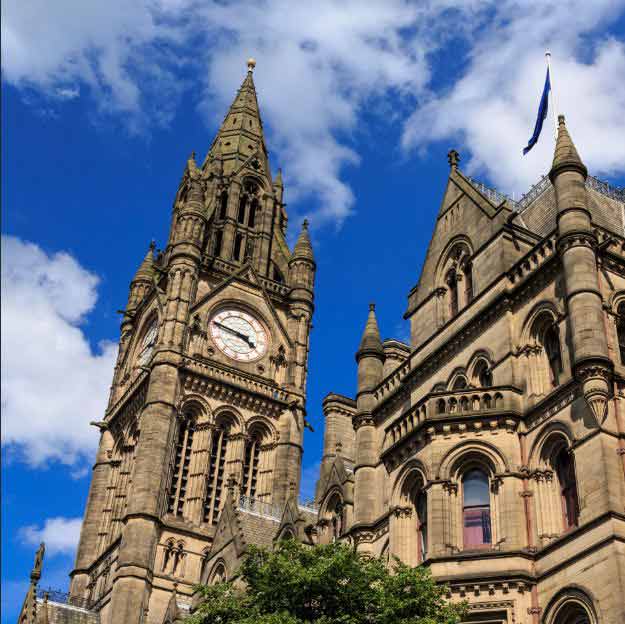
(421, 506)
(551, 343)
(565, 472)
(483, 375)
(236, 252)
(223, 204)
(452, 284)
(250, 466)
(620, 329)
(476, 509)
(219, 235)
(182, 459)
(251, 218)
(242, 206)
(460, 383)
(467, 271)
(215, 481)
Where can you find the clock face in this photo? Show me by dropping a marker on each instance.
(147, 345)
(238, 335)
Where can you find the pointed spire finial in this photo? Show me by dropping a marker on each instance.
(565, 157)
(303, 246)
(371, 343)
(152, 245)
(453, 157)
(251, 63)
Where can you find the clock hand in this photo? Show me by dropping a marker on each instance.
(234, 332)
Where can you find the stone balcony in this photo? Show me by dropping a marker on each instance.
(470, 404)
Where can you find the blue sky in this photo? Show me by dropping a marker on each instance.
(102, 103)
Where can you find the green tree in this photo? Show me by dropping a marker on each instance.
(332, 584)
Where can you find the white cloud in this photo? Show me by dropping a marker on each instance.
(492, 108)
(323, 66)
(53, 384)
(59, 534)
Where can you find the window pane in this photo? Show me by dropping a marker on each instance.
(477, 526)
(475, 489)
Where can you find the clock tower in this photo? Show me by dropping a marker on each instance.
(207, 404)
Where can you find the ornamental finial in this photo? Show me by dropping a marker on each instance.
(251, 63)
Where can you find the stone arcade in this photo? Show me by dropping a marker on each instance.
(491, 448)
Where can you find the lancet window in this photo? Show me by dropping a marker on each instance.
(620, 329)
(223, 204)
(409, 531)
(482, 374)
(216, 472)
(476, 509)
(456, 278)
(565, 472)
(182, 460)
(256, 462)
(544, 355)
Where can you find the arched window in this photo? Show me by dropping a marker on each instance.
(421, 506)
(236, 251)
(180, 473)
(460, 383)
(218, 242)
(242, 206)
(219, 574)
(251, 218)
(223, 204)
(467, 270)
(482, 374)
(452, 284)
(551, 343)
(250, 466)
(215, 480)
(572, 613)
(565, 472)
(476, 509)
(620, 330)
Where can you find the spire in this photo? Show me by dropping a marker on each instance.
(565, 157)
(303, 246)
(146, 268)
(241, 133)
(371, 344)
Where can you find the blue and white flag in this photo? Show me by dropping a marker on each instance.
(542, 114)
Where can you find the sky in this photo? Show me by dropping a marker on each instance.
(361, 101)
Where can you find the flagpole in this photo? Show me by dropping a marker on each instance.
(554, 105)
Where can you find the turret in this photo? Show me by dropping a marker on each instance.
(142, 281)
(577, 244)
(370, 358)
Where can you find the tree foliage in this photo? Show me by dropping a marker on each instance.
(332, 584)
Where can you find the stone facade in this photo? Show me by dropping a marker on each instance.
(491, 448)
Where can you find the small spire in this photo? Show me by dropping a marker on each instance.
(371, 344)
(146, 268)
(453, 157)
(251, 63)
(278, 180)
(565, 156)
(303, 246)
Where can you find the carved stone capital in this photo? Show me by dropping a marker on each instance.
(364, 419)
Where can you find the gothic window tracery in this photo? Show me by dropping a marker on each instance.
(544, 354)
(216, 472)
(556, 487)
(409, 533)
(456, 279)
(482, 374)
(182, 460)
